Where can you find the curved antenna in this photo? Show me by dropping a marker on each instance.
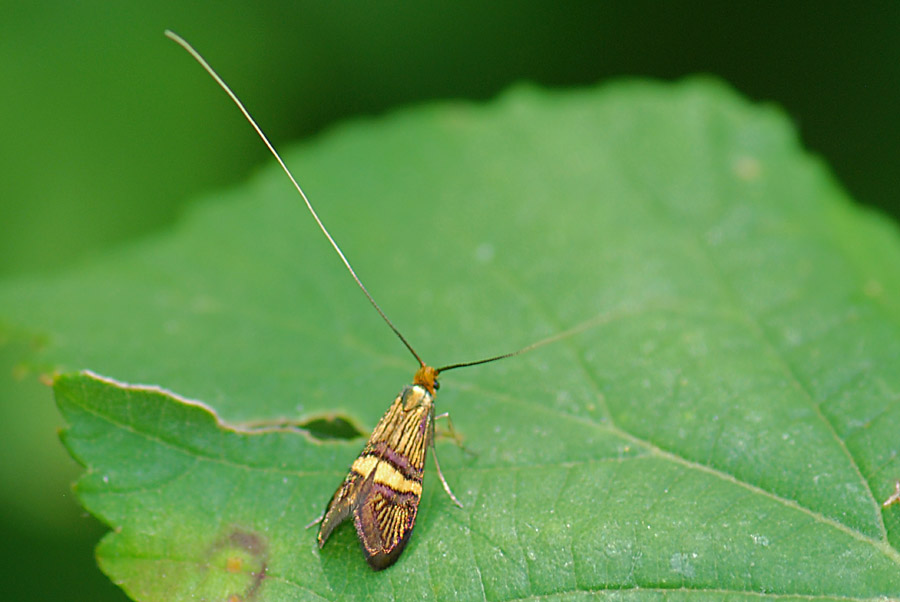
(197, 57)
(551, 339)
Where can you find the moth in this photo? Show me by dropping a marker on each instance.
(384, 485)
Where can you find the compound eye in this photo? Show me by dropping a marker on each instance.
(437, 385)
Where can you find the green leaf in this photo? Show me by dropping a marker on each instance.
(724, 427)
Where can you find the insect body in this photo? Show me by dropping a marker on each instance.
(384, 485)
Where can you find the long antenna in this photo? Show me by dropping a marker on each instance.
(184, 44)
(551, 339)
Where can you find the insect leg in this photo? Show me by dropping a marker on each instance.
(437, 464)
(316, 521)
(441, 476)
(454, 434)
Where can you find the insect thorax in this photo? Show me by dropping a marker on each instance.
(414, 396)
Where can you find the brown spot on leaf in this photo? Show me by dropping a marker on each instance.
(234, 564)
(241, 552)
(251, 542)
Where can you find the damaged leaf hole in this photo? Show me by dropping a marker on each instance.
(324, 427)
(330, 427)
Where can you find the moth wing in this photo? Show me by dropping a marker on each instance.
(340, 506)
(384, 520)
(383, 488)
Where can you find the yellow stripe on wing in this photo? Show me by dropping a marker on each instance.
(385, 474)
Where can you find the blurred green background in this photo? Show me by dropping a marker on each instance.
(109, 129)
